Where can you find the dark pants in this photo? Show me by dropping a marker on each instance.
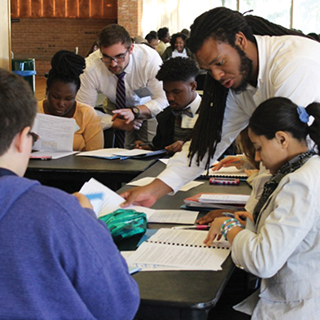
(235, 291)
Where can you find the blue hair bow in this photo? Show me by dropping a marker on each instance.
(303, 114)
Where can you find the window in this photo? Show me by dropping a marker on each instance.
(303, 15)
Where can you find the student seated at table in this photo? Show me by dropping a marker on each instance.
(63, 84)
(176, 122)
(283, 246)
(177, 48)
(57, 260)
(258, 175)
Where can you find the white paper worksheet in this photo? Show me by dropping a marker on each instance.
(110, 201)
(55, 133)
(183, 249)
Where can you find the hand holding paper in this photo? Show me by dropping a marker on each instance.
(110, 200)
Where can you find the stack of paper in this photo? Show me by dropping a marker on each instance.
(225, 198)
(217, 200)
(120, 153)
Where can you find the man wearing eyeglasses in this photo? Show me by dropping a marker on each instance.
(144, 97)
(58, 261)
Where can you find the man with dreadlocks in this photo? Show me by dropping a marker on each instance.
(249, 60)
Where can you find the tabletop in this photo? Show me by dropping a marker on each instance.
(71, 172)
(181, 295)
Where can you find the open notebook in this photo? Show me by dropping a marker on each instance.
(170, 249)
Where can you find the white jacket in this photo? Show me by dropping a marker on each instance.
(285, 250)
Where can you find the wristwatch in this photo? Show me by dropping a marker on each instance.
(136, 112)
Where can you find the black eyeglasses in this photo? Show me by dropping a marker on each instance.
(118, 58)
(34, 137)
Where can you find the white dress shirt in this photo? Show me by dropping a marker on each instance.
(144, 64)
(187, 122)
(289, 66)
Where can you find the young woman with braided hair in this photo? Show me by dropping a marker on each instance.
(248, 60)
(63, 84)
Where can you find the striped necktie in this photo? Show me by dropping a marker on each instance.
(120, 104)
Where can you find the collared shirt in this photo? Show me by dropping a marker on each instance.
(183, 127)
(6, 172)
(187, 122)
(141, 71)
(161, 48)
(289, 66)
(176, 53)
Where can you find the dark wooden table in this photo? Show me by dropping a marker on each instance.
(71, 172)
(183, 295)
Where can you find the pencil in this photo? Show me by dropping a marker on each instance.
(230, 161)
(198, 227)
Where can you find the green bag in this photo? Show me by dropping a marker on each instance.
(125, 223)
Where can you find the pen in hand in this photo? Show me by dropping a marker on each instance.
(228, 162)
(198, 227)
(231, 215)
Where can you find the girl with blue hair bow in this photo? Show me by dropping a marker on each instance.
(282, 245)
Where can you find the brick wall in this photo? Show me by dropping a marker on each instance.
(41, 38)
(129, 15)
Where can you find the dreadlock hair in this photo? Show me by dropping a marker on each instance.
(178, 69)
(221, 24)
(66, 66)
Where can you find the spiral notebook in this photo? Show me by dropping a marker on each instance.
(225, 172)
(180, 250)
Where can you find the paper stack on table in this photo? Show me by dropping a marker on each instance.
(120, 153)
(217, 200)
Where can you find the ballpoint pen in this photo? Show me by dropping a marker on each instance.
(230, 161)
(198, 227)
